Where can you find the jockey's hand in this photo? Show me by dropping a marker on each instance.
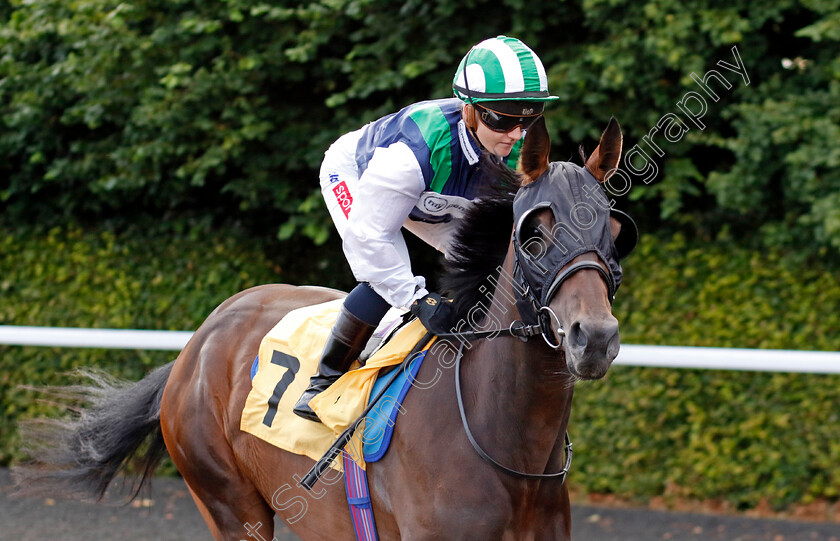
(435, 312)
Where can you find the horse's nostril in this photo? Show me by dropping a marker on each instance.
(577, 336)
(585, 334)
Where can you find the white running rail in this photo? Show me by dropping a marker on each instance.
(759, 360)
(93, 338)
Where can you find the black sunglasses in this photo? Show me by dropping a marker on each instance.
(500, 123)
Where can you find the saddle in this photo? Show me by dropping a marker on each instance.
(289, 355)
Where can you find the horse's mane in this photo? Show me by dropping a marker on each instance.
(480, 245)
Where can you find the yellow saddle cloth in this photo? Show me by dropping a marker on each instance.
(288, 356)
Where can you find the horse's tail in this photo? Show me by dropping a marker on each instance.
(119, 426)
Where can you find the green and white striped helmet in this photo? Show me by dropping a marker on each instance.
(501, 69)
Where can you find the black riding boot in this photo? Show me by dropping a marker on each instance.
(346, 341)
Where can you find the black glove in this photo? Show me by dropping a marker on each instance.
(435, 312)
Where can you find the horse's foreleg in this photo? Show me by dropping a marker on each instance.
(553, 519)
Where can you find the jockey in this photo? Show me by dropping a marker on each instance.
(418, 169)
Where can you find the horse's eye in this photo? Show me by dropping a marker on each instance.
(530, 235)
(530, 232)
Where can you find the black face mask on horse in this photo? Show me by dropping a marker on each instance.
(581, 216)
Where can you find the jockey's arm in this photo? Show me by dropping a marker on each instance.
(373, 243)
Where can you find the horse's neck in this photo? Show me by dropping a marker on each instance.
(518, 392)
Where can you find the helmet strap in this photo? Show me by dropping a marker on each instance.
(466, 82)
(469, 112)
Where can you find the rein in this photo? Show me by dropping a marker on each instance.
(516, 328)
(545, 316)
(483, 454)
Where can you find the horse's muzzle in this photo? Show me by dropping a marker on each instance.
(591, 346)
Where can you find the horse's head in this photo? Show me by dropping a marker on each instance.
(567, 243)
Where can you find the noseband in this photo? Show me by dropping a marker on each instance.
(542, 312)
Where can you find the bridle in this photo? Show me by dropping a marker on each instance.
(545, 316)
(540, 309)
(541, 312)
(540, 278)
(516, 328)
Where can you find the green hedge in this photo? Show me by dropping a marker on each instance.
(639, 433)
(742, 437)
(144, 278)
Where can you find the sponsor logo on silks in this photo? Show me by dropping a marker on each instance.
(342, 195)
(333, 178)
(454, 205)
(434, 204)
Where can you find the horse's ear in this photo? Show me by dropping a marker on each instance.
(533, 159)
(608, 152)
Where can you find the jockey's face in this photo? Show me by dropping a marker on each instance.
(497, 143)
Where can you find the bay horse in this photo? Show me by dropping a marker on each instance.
(432, 484)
